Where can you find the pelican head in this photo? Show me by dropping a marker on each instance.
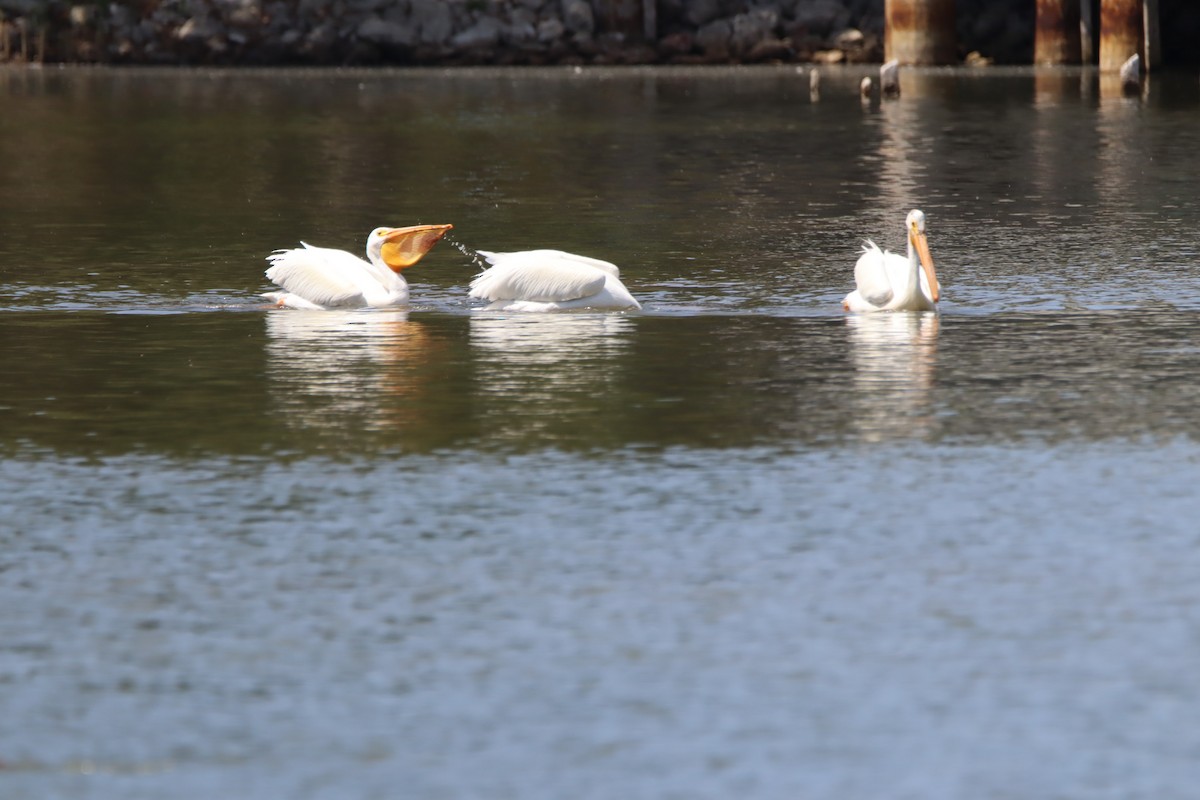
(400, 248)
(918, 244)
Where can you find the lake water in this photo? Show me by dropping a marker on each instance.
(736, 544)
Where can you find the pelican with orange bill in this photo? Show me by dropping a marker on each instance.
(322, 278)
(890, 282)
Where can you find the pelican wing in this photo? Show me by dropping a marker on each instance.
(871, 276)
(545, 276)
(321, 275)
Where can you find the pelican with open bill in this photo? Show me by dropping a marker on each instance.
(322, 278)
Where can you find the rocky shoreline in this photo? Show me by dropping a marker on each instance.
(471, 32)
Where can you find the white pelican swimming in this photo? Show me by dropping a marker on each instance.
(549, 280)
(889, 282)
(321, 278)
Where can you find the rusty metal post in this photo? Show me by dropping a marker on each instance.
(919, 32)
(1056, 40)
(1153, 56)
(1120, 32)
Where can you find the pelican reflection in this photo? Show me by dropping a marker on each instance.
(895, 361)
(548, 376)
(345, 369)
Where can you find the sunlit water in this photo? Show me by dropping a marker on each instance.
(735, 544)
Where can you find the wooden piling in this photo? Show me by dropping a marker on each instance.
(919, 32)
(1153, 45)
(1120, 32)
(1056, 40)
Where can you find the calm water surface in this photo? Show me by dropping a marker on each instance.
(736, 544)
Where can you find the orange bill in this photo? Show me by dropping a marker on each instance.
(922, 244)
(403, 247)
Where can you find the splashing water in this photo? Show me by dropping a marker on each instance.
(470, 253)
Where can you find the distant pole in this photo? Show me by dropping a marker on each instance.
(1120, 32)
(1057, 37)
(919, 32)
(1153, 37)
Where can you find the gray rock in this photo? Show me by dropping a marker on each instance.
(433, 20)
(848, 39)
(751, 28)
(484, 33)
(244, 15)
(377, 30)
(18, 8)
(822, 17)
(197, 29)
(578, 18)
(701, 12)
(550, 30)
(520, 31)
(713, 38)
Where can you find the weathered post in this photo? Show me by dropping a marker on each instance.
(1056, 40)
(1120, 32)
(919, 32)
(1153, 54)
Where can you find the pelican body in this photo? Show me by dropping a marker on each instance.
(889, 282)
(550, 280)
(322, 278)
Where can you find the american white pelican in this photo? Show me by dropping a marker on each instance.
(549, 280)
(889, 282)
(321, 278)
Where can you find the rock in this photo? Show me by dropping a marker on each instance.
(197, 29)
(770, 49)
(822, 17)
(578, 18)
(713, 39)
(519, 32)
(433, 20)
(81, 16)
(848, 39)
(319, 42)
(244, 15)
(701, 12)
(676, 44)
(377, 30)
(829, 56)
(747, 30)
(18, 8)
(484, 33)
(550, 30)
